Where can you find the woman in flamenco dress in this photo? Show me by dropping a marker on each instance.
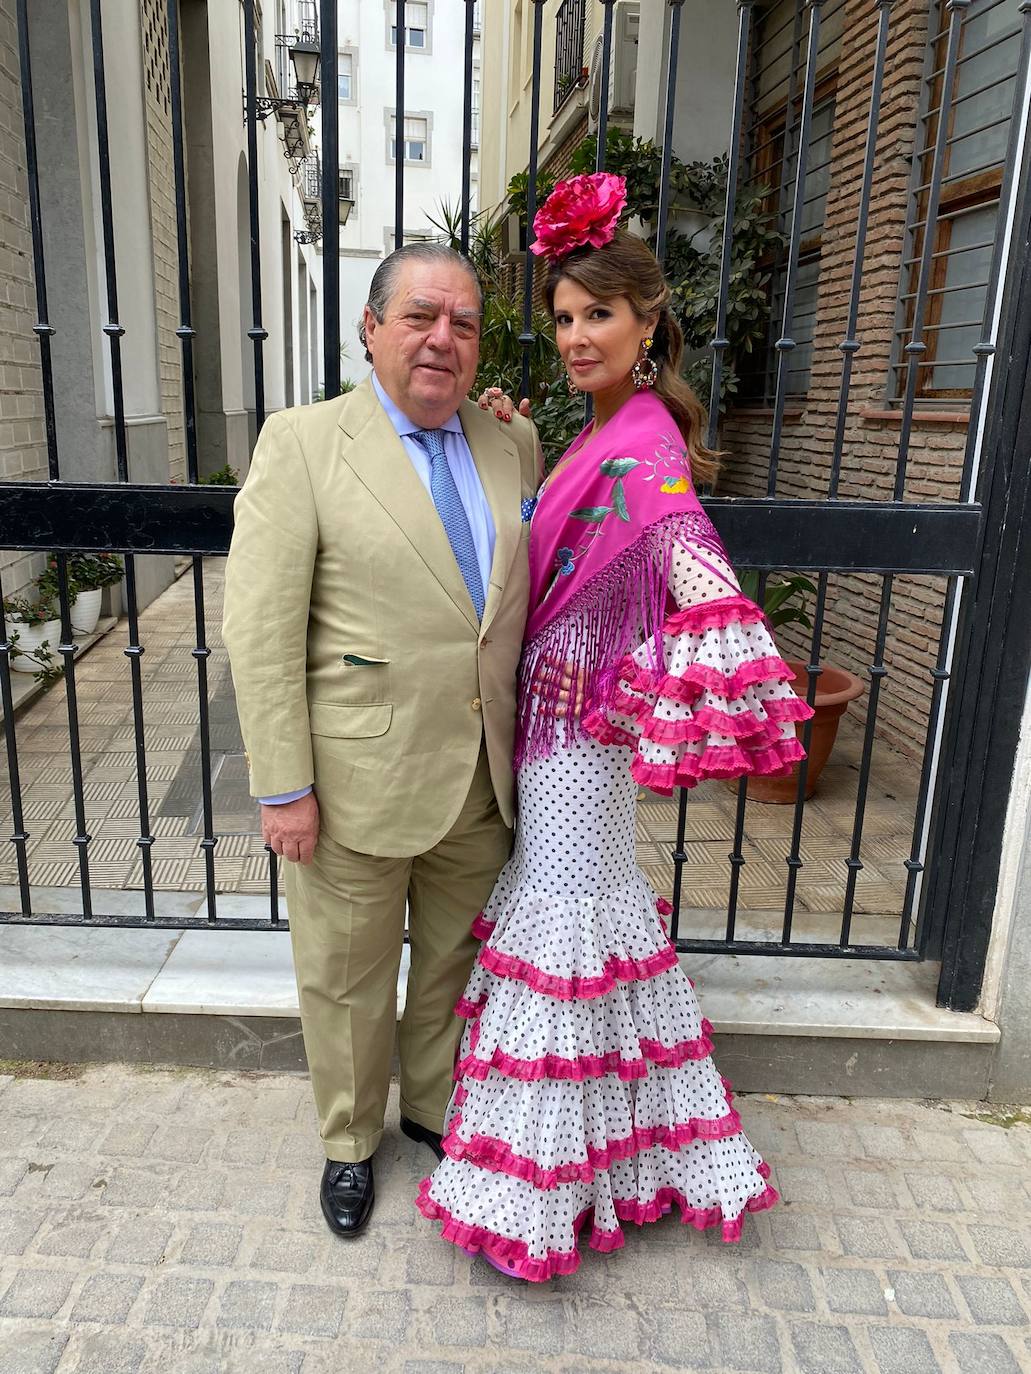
(586, 1095)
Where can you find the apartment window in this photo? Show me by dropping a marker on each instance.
(345, 184)
(779, 59)
(416, 139)
(345, 76)
(979, 116)
(417, 25)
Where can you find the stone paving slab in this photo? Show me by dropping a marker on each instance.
(167, 1220)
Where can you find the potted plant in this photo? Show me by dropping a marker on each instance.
(33, 628)
(783, 603)
(91, 573)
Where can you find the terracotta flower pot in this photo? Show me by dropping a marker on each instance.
(835, 688)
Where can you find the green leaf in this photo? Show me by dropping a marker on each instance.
(617, 467)
(619, 500)
(592, 514)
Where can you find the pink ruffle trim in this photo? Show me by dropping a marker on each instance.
(699, 677)
(719, 761)
(559, 1068)
(713, 615)
(570, 989)
(514, 1252)
(481, 927)
(703, 722)
(497, 1157)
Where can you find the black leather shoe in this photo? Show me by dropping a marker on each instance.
(347, 1195)
(423, 1134)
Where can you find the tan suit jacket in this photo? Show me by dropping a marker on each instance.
(357, 658)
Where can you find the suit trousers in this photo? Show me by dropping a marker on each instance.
(347, 920)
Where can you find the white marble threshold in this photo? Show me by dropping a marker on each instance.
(249, 973)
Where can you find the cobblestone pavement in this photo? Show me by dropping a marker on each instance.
(167, 1221)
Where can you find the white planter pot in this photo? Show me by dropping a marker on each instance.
(86, 610)
(30, 637)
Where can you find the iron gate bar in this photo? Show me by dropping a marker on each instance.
(848, 347)
(813, 669)
(983, 350)
(185, 333)
(667, 131)
(43, 331)
(916, 346)
(932, 538)
(786, 345)
(257, 332)
(914, 864)
(602, 132)
(718, 346)
(878, 673)
(995, 657)
(401, 49)
(467, 125)
(114, 332)
(526, 337)
(850, 344)
(720, 343)
(330, 105)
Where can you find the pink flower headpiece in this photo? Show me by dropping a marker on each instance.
(583, 210)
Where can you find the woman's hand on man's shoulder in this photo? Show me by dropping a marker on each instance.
(502, 405)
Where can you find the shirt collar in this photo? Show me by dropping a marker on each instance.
(402, 425)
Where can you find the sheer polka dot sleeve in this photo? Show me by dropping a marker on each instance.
(712, 699)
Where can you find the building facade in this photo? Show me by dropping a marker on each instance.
(147, 272)
(431, 143)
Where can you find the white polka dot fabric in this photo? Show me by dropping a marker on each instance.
(586, 1093)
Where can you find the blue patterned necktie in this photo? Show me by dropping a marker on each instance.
(452, 514)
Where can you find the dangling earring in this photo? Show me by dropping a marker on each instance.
(646, 369)
(573, 390)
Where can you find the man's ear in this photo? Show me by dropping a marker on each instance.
(369, 323)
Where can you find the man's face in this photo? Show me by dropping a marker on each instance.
(426, 349)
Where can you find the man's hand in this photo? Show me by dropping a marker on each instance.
(502, 405)
(292, 829)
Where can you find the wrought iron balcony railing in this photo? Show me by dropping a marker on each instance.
(570, 24)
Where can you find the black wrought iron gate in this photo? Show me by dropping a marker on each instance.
(983, 652)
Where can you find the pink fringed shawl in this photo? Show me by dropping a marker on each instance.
(601, 545)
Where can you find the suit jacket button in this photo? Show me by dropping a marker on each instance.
(476, 703)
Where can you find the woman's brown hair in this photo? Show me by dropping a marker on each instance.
(627, 267)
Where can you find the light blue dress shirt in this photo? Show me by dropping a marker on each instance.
(470, 489)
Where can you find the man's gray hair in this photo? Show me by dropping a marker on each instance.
(384, 279)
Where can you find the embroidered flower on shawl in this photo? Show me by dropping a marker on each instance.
(582, 210)
(674, 486)
(564, 558)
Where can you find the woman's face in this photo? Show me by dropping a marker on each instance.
(599, 340)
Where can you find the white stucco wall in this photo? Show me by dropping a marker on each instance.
(434, 88)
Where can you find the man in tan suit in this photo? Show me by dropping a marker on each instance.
(376, 594)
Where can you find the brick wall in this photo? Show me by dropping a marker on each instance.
(161, 177)
(870, 444)
(22, 440)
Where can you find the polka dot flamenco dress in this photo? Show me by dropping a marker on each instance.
(586, 1095)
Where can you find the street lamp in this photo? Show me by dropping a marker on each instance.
(306, 60)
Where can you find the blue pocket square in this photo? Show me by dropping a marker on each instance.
(528, 507)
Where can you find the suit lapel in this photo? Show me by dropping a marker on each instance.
(378, 459)
(497, 462)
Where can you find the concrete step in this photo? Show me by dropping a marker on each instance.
(224, 997)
